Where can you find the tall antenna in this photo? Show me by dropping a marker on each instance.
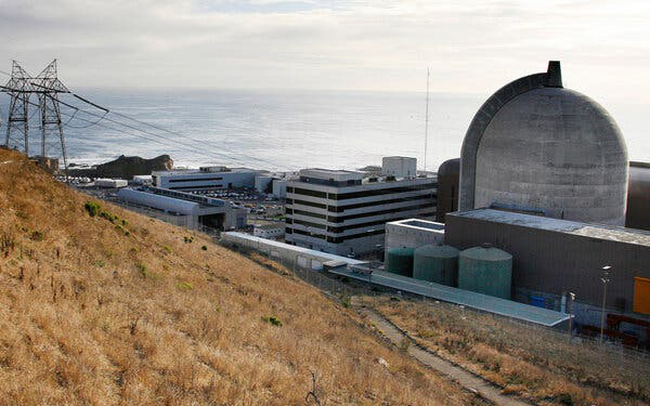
(426, 123)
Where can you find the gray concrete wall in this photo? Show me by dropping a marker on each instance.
(399, 236)
(556, 262)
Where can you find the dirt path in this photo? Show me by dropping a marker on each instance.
(464, 378)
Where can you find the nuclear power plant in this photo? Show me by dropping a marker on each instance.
(536, 146)
(529, 221)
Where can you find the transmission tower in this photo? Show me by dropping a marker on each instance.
(19, 89)
(47, 87)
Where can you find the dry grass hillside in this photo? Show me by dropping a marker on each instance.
(532, 362)
(117, 308)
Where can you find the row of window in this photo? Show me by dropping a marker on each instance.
(341, 209)
(363, 193)
(341, 219)
(338, 230)
(334, 240)
(193, 179)
(196, 187)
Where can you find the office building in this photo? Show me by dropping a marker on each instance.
(344, 212)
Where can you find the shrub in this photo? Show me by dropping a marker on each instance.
(565, 399)
(184, 286)
(204, 247)
(93, 208)
(108, 216)
(147, 274)
(272, 320)
(345, 301)
(37, 236)
(123, 230)
(188, 240)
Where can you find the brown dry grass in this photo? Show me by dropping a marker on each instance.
(532, 362)
(90, 315)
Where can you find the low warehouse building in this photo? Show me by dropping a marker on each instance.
(184, 209)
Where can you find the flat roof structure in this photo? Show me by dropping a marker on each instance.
(490, 304)
(420, 224)
(338, 175)
(208, 170)
(598, 231)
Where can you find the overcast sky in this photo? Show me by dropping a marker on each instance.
(471, 46)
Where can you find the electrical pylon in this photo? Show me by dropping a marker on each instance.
(47, 87)
(19, 89)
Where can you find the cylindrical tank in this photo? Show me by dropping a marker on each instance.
(436, 263)
(486, 270)
(400, 261)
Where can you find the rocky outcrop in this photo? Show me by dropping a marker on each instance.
(125, 167)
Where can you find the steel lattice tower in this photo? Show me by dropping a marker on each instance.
(47, 87)
(19, 88)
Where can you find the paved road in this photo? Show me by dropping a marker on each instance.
(464, 378)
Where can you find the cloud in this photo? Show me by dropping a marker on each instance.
(472, 46)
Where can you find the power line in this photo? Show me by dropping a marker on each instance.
(200, 144)
(221, 156)
(187, 148)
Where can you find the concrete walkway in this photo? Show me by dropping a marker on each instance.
(457, 374)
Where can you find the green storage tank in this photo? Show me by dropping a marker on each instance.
(486, 270)
(400, 261)
(436, 263)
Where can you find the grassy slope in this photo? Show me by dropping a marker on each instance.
(89, 315)
(532, 362)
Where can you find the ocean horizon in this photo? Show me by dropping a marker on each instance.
(279, 130)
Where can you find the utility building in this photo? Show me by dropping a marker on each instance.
(185, 209)
(552, 257)
(344, 212)
(206, 178)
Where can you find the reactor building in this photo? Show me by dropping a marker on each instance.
(537, 147)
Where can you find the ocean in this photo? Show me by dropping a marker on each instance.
(281, 130)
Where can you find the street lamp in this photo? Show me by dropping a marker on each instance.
(605, 279)
(572, 296)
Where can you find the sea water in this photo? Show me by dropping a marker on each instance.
(278, 130)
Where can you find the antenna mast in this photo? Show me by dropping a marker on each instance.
(426, 123)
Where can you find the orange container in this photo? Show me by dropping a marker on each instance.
(642, 295)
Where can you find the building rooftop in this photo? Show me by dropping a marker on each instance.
(338, 175)
(269, 226)
(204, 170)
(597, 231)
(462, 297)
(420, 224)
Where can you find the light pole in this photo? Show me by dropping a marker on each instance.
(572, 297)
(605, 280)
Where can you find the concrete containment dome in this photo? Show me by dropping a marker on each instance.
(537, 145)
